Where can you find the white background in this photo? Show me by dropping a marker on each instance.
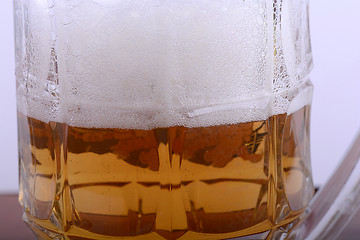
(335, 29)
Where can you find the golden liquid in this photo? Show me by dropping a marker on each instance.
(214, 182)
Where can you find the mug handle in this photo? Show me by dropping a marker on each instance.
(336, 202)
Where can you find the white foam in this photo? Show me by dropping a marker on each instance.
(156, 63)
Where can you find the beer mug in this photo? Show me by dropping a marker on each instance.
(163, 119)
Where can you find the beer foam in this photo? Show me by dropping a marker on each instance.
(159, 63)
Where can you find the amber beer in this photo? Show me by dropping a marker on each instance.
(214, 182)
(163, 119)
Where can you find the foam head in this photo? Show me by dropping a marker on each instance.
(147, 63)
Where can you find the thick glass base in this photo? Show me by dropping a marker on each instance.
(44, 231)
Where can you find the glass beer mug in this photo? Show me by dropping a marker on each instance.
(164, 119)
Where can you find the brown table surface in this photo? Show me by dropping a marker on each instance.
(12, 227)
